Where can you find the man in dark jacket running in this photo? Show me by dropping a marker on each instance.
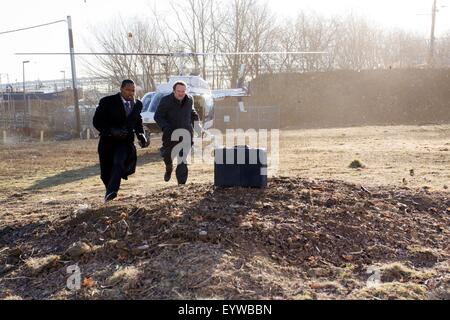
(118, 118)
(176, 111)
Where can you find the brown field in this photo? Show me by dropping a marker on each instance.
(312, 234)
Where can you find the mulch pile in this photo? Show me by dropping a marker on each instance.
(296, 239)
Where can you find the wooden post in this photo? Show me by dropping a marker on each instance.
(42, 136)
(88, 134)
(4, 136)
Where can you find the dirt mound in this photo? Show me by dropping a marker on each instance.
(349, 98)
(297, 239)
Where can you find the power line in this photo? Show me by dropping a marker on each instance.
(33, 27)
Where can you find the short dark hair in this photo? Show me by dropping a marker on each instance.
(179, 83)
(126, 82)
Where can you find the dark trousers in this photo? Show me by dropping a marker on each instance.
(181, 171)
(112, 164)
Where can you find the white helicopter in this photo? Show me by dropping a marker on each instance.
(200, 91)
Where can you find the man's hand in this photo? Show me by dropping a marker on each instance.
(167, 133)
(205, 133)
(199, 130)
(119, 133)
(143, 142)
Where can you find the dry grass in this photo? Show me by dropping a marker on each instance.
(392, 291)
(38, 265)
(14, 298)
(388, 152)
(59, 171)
(397, 272)
(127, 277)
(56, 186)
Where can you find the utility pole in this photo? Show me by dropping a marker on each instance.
(24, 93)
(23, 82)
(64, 79)
(74, 78)
(64, 87)
(432, 38)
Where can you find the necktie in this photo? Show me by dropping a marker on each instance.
(127, 107)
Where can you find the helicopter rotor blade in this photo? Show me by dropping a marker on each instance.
(175, 54)
(97, 54)
(262, 53)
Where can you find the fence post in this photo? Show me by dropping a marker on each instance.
(42, 136)
(4, 136)
(88, 134)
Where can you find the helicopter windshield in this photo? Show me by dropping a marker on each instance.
(146, 100)
(155, 101)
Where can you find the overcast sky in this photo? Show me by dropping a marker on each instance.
(413, 15)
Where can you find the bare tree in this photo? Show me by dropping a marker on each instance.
(263, 31)
(234, 35)
(312, 32)
(194, 29)
(400, 49)
(213, 27)
(356, 45)
(443, 50)
(138, 36)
